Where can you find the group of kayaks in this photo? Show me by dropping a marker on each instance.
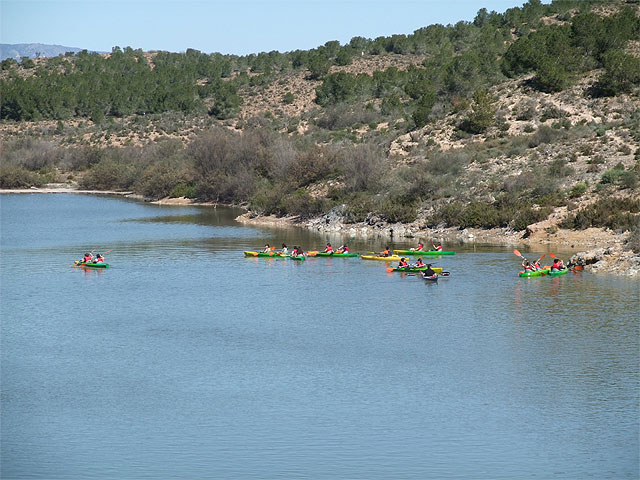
(534, 269)
(386, 256)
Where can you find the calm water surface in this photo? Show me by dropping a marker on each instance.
(187, 360)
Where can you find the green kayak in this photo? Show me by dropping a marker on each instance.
(265, 254)
(327, 254)
(557, 273)
(416, 269)
(91, 265)
(537, 273)
(296, 257)
(422, 252)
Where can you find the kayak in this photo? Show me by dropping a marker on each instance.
(327, 254)
(392, 258)
(558, 273)
(416, 269)
(422, 252)
(537, 273)
(266, 254)
(296, 257)
(91, 265)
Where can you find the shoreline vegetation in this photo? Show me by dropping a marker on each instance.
(517, 128)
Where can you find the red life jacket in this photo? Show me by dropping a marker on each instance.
(439, 248)
(98, 260)
(403, 264)
(419, 264)
(87, 259)
(345, 249)
(328, 249)
(420, 247)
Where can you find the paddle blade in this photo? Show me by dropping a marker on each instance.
(516, 252)
(390, 269)
(578, 267)
(552, 255)
(255, 254)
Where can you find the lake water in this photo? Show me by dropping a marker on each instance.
(187, 360)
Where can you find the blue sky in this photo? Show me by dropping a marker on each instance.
(231, 26)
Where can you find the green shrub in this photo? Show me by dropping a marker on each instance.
(288, 98)
(394, 212)
(187, 190)
(19, 177)
(578, 190)
(302, 204)
(607, 212)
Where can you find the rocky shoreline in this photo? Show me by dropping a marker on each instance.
(615, 257)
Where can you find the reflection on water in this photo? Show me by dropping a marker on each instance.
(186, 359)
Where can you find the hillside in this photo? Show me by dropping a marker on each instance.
(518, 126)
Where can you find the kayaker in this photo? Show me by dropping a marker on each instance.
(527, 266)
(429, 272)
(299, 252)
(419, 248)
(343, 249)
(386, 252)
(267, 248)
(419, 263)
(99, 259)
(328, 248)
(87, 258)
(284, 249)
(403, 263)
(437, 248)
(557, 265)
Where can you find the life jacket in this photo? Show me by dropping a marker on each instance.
(328, 249)
(86, 259)
(528, 268)
(439, 248)
(419, 263)
(345, 249)
(386, 253)
(98, 260)
(402, 264)
(420, 247)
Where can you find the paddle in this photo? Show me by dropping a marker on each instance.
(518, 254)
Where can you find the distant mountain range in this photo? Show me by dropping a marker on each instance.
(33, 50)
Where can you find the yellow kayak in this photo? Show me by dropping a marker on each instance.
(392, 258)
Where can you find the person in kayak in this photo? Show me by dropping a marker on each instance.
(267, 248)
(429, 272)
(328, 249)
(343, 249)
(419, 248)
(437, 248)
(299, 252)
(284, 249)
(386, 252)
(557, 265)
(403, 263)
(98, 259)
(87, 258)
(527, 266)
(419, 263)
